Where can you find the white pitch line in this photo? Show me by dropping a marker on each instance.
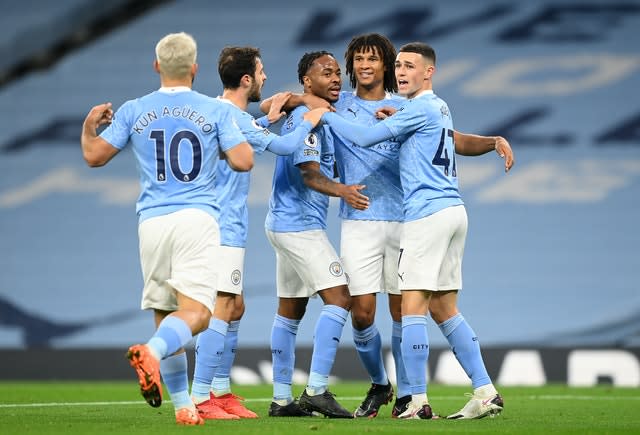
(433, 398)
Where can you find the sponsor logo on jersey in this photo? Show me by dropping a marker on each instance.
(311, 140)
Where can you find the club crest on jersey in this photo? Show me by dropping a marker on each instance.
(311, 140)
(444, 110)
(336, 268)
(236, 276)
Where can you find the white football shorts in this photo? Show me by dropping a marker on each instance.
(230, 269)
(306, 262)
(431, 251)
(179, 252)
(369, 251)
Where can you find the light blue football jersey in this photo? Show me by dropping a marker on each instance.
(293, 206)
(232, 188)
(427, 155)
(176, 135)
(377, 166)
(428, 171)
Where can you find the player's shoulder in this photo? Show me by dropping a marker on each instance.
(294, 118)
(395, 100)
(299, 111)
(437, 104)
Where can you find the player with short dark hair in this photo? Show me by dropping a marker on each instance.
(243, 76)
(307, 263)
(433, 231)
(370, 239)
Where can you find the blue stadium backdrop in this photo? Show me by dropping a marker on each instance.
(552, 254)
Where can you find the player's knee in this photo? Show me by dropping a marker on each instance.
(441, 314)
(344, 301)
(201, 317)
(292, 308)
(362, 318)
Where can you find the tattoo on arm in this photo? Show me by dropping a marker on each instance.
(316, 180)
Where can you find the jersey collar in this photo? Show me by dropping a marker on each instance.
(173, 89)
(425, 92)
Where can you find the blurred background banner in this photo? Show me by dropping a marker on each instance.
(552, 251)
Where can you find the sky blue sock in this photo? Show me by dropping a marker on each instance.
(283, 348)
(403, 387)
(369, 346)
(465, 346)
(174, 375)
(415, 351)
(209, 349)
(222, 378)
(172, 334)
(325, 345)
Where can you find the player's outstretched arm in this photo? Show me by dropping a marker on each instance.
(295, 100)
(476, 145)
(95, 150)
(284, 145)
(363, 135)
(314, 179)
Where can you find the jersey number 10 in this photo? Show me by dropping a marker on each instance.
(174, 161)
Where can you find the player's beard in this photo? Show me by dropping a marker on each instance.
(254, 93)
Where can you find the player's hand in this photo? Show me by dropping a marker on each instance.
(313, 101)
(352, 196)
(504, 150)
(313, 116)
(99, 115)
(277, 102)
(385, 112)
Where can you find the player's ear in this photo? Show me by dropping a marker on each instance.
(156, 66)
(306, 82)
(428, 71)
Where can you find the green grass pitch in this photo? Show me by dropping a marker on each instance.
(117, 408)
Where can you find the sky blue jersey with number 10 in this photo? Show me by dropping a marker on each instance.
(176, 135)
(428, 169)
(293, 206)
